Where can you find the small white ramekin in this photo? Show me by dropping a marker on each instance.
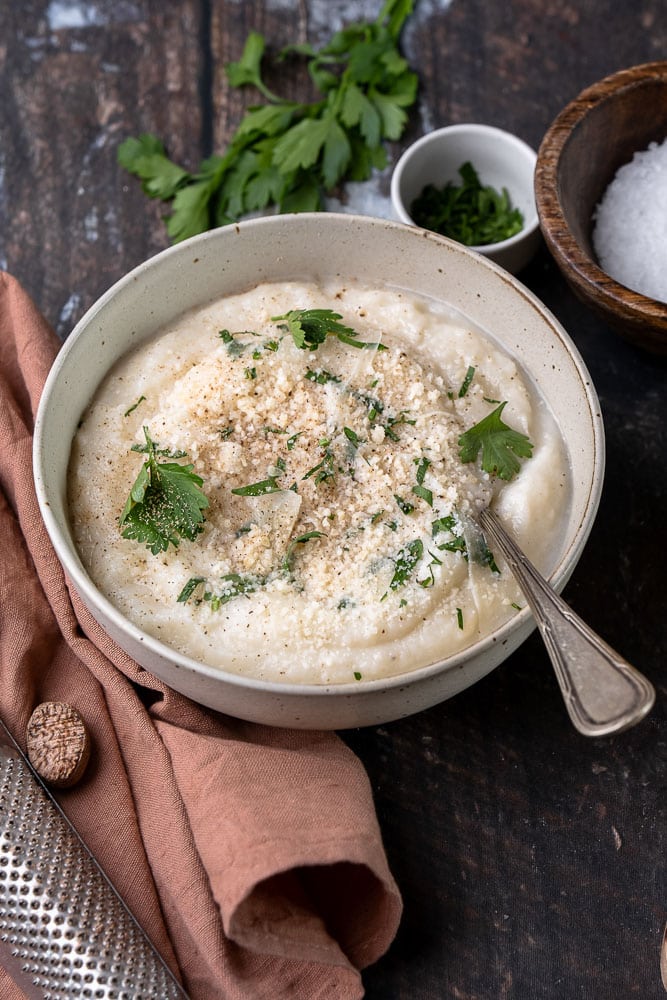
(501, 160)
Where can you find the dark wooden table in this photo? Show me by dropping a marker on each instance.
(531, 860)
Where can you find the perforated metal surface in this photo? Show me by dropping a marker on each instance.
(61, 922)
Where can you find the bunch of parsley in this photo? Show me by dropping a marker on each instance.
(285, 153)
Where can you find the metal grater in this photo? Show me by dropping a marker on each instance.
(65, 933)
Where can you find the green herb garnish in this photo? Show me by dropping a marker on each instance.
(193, 584)
(353, 437)
(404, 505)
(301, 540)
(405, 563)
(325, 469)
(144, 449)
(420, 490)
(472, 213)
(234, 347)
(234, 585)
(259, 489)
(422, 466)
(423, 493)
(165, 503)
(311, 327)
(132, 408)
(447, 524)
(321, 376)
(467, 381)
(396, 421)
(499, 444)
(287, 153)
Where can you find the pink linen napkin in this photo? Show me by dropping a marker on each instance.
(251, 856)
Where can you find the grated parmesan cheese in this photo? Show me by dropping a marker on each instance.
(351, 576)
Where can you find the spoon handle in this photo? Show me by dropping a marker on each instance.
(603, 693)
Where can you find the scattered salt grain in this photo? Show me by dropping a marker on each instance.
(630, 233)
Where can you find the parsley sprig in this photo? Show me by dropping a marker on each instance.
(287, 153)
(311, 327)
(500, 445)
(165, 503)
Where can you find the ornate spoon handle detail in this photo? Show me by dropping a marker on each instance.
(603, 693)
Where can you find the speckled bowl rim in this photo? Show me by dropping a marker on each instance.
(565, 248)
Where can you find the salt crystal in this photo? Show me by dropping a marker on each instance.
(630, 233)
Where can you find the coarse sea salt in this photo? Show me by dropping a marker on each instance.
(630, 232)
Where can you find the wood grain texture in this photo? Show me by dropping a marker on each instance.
(532, 861)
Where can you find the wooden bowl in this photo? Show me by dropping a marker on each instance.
(582, 150)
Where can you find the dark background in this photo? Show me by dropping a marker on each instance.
(531, 860)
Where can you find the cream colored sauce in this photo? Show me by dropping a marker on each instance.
(329, 608)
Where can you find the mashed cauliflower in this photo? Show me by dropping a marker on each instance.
(356, 558)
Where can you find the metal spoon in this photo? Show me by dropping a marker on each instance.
(603, 693)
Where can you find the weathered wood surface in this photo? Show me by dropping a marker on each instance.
(532, 861)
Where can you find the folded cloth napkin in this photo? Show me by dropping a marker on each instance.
(251, 856)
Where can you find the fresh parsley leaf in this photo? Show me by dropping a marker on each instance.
(325, 469)
(487, 558)
(422, 466)
(456, 543)
(353, 437)
(248, 70)
(233, 585)
(132, 408)
(446, 523)
(392, 422)
(405, 563)
(404, 505)
(300, 540)
(234, 347)
(499, 444)
(467, 381)
(321, 376)
(260, 489)
(311, 327)
(165, 503)
(423, 493)
(287, 153)
(145, 157)
(144, 449)
(192, 585)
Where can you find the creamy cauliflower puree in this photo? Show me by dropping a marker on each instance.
(359, 561)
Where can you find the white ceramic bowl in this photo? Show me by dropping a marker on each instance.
(500, 159)
(317, 247)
